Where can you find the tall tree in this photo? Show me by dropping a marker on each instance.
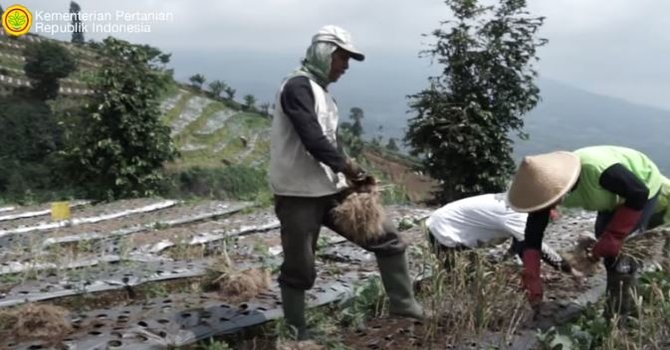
(217, 87)
(197, 80)
(249, 102)
(78, 32)
(391, 145)
(46, 63)
(378, 139)
(121, 144)
(466, 115)
(356, 114)
(265, 109)
(352, 145)
(230, 92)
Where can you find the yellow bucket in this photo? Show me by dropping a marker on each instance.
(60, 211)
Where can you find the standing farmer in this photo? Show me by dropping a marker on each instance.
(307, 176)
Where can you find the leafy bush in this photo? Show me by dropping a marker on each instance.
(369, 301)
(465, 116)
(118, 148)
(30, 138)
(46, 63)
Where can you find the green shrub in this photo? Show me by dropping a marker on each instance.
(30, 138)
(119, 145)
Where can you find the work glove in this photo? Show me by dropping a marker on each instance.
(530, 277)
(610, 242)
(356, 175)
(353, 171)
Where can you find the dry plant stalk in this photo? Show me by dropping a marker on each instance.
(647, 246)
(579, 257)
(361, 215)
(476, 295)
(33, 321)
(244, 284)
(301, 345)
(644, 247)
(236, 285)
(7, 321)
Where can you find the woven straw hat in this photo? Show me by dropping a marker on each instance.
(542, 180)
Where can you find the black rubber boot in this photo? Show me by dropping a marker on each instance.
(293, 304)
(398, 285)
(621, 291)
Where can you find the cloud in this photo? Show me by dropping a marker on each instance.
(616, 47)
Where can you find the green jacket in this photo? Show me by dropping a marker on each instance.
(663, 201)
(594, 161)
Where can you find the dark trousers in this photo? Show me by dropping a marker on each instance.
(604, 218)
(444, 253)
(301, 219)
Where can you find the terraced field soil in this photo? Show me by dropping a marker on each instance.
(138, 278)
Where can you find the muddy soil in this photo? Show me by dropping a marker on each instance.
(336, 258)
(80, 212)
(26, 246)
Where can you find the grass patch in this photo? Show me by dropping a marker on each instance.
(226, 146)
(650, 329)
(189, 133)
(11, 62)
(235, 182)
(172, 89)
(174, 113)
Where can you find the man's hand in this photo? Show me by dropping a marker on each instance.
(578, 276)
(366, 184)
(353, 171)
(358, 178)
(590, 255)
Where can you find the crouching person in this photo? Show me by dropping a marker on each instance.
(482, 221)
(307, 176)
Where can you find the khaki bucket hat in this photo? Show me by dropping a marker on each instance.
(543, 180)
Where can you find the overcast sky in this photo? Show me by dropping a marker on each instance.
(613, 47)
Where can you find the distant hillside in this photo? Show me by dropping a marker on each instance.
(213, 132)
(210, 132)
(11, 65)
(566, 118)
(207, 131)
(569, 118)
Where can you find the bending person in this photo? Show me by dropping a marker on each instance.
(619, 183)
(480, 221)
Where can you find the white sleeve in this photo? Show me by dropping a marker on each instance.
(515, 224)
